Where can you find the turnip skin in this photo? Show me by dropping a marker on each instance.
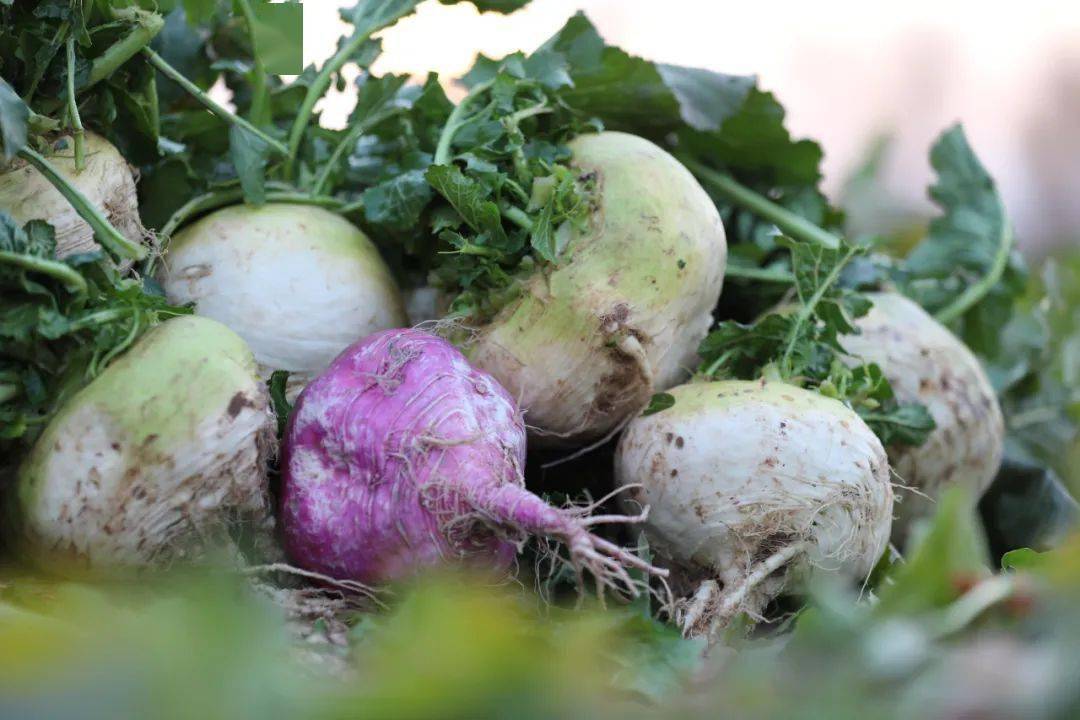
(587, 344)
(738, 474)
(106, 181)
(402, 456)
(926, 363)
(297, 282)
(166, 446)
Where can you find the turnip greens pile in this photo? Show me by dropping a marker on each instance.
(665, 437)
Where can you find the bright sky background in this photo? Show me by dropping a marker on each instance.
(846, 70)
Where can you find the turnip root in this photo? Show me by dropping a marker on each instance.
(297, 282)
(752, 484)
(926, 363)
(106, 181)
(586, 345)
(165, 447)
(402, 456)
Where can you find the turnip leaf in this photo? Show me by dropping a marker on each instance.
(278, 386)
(199, 11)
(968, 246)
(658, 403)
(396, 203)
(249, 155)
(470, 199)
(803, 343)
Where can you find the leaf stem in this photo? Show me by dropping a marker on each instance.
(807, 311)
(229, 117)
(975, 293)
(73, 109)
(764, 274)
(471, 249)
(314, 94)
(792, 224)
(66, 274)
(454, 123)
(517, 216)
(106, 234)
(260, 97)
(147, 26)
(718, 363)
(988, 593)
(103, 362)
(525, 113)
(100, 318)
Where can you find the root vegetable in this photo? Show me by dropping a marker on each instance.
(165, 447)
(587, 344)
(402, 456)
(750, 485)
(926, 363)
(297, 282)
(106, 181)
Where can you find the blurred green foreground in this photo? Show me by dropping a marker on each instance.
(943, 636)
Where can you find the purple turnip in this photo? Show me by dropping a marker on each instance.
(402, 456)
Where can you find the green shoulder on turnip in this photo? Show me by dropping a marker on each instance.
(153, 459)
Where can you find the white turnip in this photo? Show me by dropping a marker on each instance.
(297, 282)
(106, 181)
(587, 344)
(166, 447)
(751, 484)
(925, 363)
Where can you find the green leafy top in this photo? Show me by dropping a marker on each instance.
(725, 122)
(475, 193)
(44, 43)
(61, 323)
(501, 167)
(803, 344)
(967, 270)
